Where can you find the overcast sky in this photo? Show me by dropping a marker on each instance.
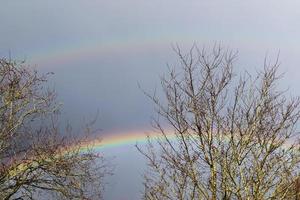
(99, 51)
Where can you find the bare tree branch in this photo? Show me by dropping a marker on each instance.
(235, 136)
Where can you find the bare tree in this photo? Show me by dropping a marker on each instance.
(232, 137)
(37, 160)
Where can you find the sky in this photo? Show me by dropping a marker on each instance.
(101, 50)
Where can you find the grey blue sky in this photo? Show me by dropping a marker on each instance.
(99, 51)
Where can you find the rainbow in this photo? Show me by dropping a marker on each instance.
(111, 46)
(127, 138)
(114, 140)
(110, 140)
(87, 50)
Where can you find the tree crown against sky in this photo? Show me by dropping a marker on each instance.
(36, 157)
(235, 135)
